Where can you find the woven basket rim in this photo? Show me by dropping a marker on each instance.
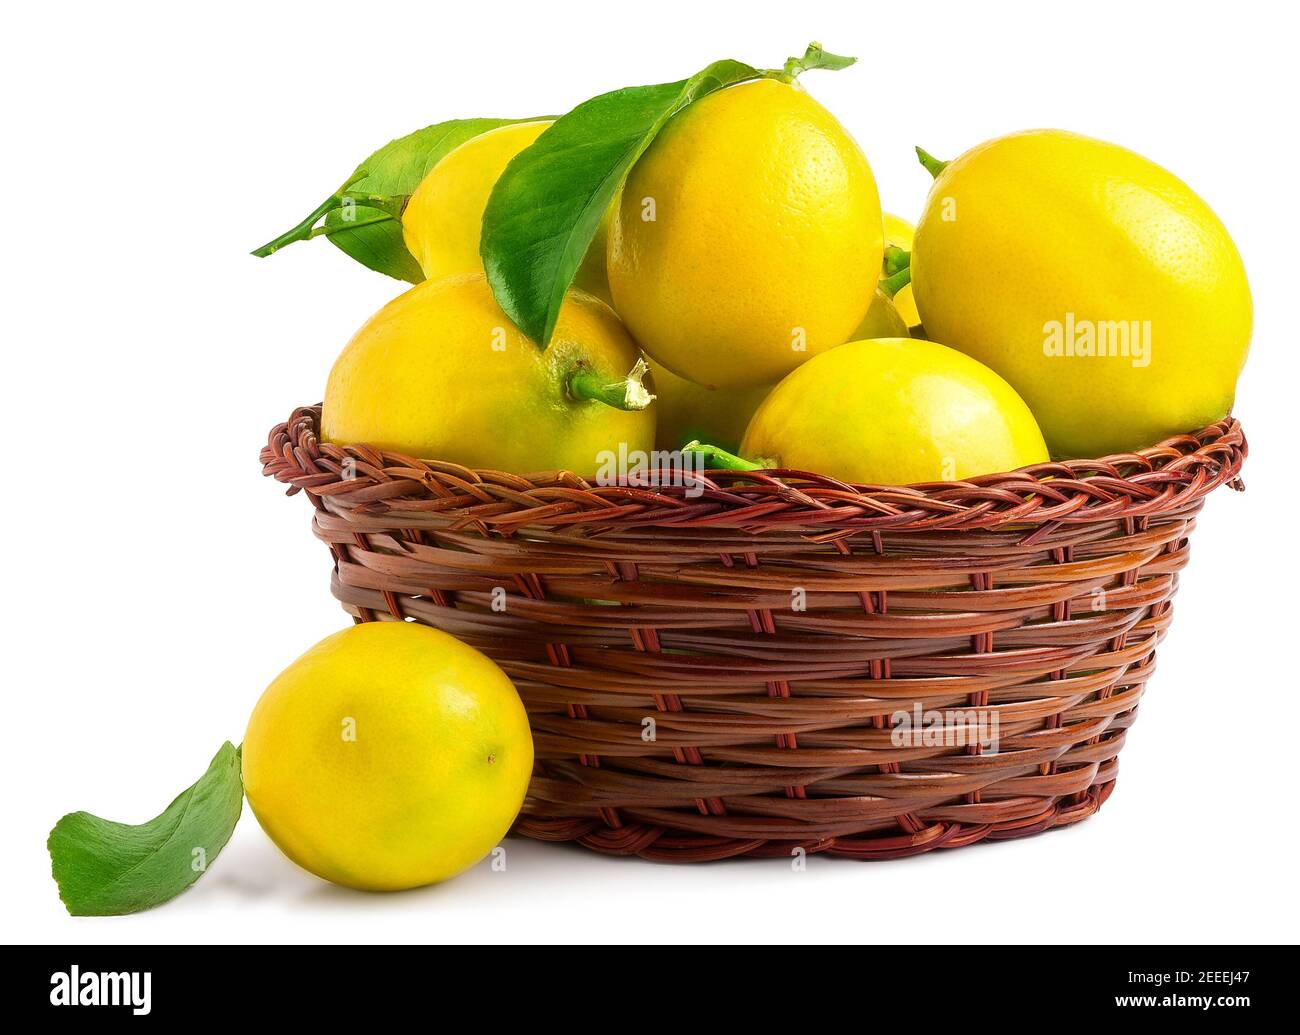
(1163, 478)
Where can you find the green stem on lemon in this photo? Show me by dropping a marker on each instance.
(893, 285)
(720, 460)
(629, 393)
(895, 259)
(932, 165)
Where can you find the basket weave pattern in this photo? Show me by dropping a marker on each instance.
(719, 673)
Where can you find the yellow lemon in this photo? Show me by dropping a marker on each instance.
(687, 411)
(443, 219)
(899, 233)
(592, 276)
(747, 238)
(388, 756)
(883, 320)
(894, 411)
(1093, 280)
(441, 373)
(718, 416)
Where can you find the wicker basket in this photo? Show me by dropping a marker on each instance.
(740, 671)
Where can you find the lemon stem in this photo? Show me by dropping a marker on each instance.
(303, 230)
(390, 205)
(932, 165)
(630, 393)
(325, 231)
(815, 56)
(895, 259)
(893, 285)
(719, 459)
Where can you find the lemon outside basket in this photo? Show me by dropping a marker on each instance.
(778, 661)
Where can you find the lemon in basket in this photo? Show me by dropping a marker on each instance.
(443, 219)
(688, 411)
(894, 411)
(388, 756)
(692, 412)
(883, 320)
(899, 233)
(719, 416)
(441, 373)
(747, 238)
(1093, 280)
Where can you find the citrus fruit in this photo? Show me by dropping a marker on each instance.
(1093, 280)
(883, 320)
(441, 373)
(899, 233)
(747, 238)
(443, 219)
(893, 411)
(388, 756)
(687, 411)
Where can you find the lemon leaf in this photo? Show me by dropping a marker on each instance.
(816, 57)
(104, 868)
(545, 209)
(372, 233)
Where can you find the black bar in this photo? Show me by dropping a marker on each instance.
(608, 987)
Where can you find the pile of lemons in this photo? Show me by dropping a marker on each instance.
(1067, 297)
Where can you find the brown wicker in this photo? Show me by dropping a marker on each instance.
(1037, 596)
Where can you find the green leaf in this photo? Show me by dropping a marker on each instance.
(372, 233)
(547, 205)
(816, 57)
(104, 868)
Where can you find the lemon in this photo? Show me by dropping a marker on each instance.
(441, 373)
(388, 756)
(443, 219)
(687, 411)
(592, 276)
(718, 416)
(1093, 280)
(894, 411)
(899, 233)
(883, 320)
(747, 238)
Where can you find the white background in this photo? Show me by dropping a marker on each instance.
(154, 582)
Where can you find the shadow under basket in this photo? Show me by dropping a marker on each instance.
(759, 663)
